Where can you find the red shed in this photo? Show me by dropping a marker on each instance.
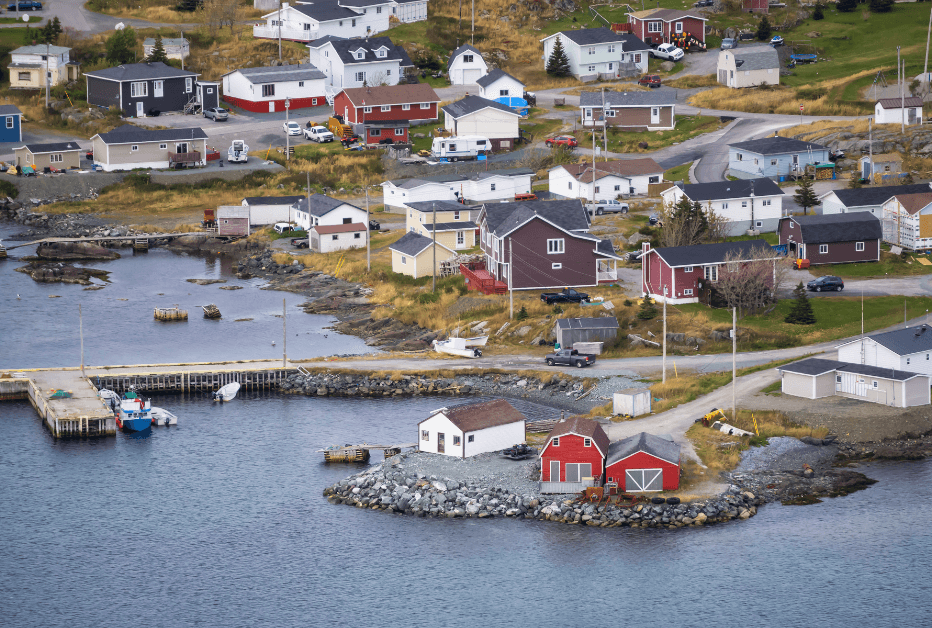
(575, 449)
(644, 462)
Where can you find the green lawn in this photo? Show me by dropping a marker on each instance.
(686, 127)
(889, 265)
(678, 173)
(769, 238)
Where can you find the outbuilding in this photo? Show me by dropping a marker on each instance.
(58, 155)
(267, 210)
(413, 255)
(470, 429)
(320, 209)
(643, 463)
(749, 66)
(883, 168)
(329, 238)
(499, 84)
(815, 378)
(466, 65)
(474, 115)
(233, 220)
(573, 458)
(632, 401)
(898, 110)
(266, 89)
(11, 129)
(572, 330)
(833, 238)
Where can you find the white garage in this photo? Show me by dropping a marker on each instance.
(466, 66)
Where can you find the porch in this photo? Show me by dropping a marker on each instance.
(478, 278)
(607, 271)
(264, 31)
(560, 488)
(176, 160)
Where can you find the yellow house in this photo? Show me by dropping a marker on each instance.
(29, 65)
(456, 228)
(413, 255)
(59, 155)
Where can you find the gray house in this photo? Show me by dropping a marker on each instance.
(141, 89)
(866, 199)
(569, 331)
(128, 148)
(775, 157)
(815, 378)
(653, 110)
(749, 66)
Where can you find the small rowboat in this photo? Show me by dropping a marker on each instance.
(227, 393)
(456, 346)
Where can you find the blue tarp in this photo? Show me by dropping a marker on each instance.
(518, 104)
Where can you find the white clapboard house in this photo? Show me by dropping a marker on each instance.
(471, 429)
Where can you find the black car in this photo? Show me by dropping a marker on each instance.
(828, 282)
(653, 220)
(705, 3)
(25, 5)
(374, 226)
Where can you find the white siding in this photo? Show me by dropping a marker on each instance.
(505, 188)
(563, 183)
(491, 123)
(874, 355)
(896, 115)
(236, 85)
(340, 75)
(514, 87)
(462, 73)
(336, 216)
(738, 210)
(440, 424)
(495, 438)
(327, 243)
(270, 214)
(481, 190)
(411, 11)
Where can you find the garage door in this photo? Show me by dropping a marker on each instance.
(471, 76)
(637, 480)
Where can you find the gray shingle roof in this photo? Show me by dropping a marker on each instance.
(586, 36)
(140, 71)
(756, 58)
(166, 41)
(343, 48)
(461, 50)
(588, 323)
(453, 178)
(413, 243)
(605, 247)
(656, 446)
(40, 50)
(127, 133)
(273, 200)
(283, 73)
(472, 104)
(55, 147)
(906, 341)
(856, 226)
(326, 11)
(731, 189)
(569, 215)
(320, 204)
(702, 254)
(458, 225)
(818, 366)
(442, 206)
(494, 75)
(503, 172)
(776, 146)
(652, 98)
(10, 110)
(877, 195)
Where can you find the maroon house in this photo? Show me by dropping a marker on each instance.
(544, 244)
(833, 238)
(659, 26)
(681, 273)
(756, 6)
(576, 449)
(413, 103)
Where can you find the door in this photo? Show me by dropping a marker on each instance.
(911, 119)
(158, 91)
(554, 470)
(140, 109)
(587, 113)
(655, 115)
(639, 480)
(576, 472)
(181, 147)
(440, 444)
(271, 106)
(471, 76)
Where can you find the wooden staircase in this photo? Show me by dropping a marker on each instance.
(482, 280)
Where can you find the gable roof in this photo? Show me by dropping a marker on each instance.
(414, 244)
(875, 195)
(127, 133)
(586, 428)
(462, 49)
(667, 15)
(140, 71)
(459, 225)
(896, 103)
(702, 254)
(494, 75)
(280, 73)
(10, 110)
(914, 202)
(776, 145)
(40, 50)
(605, 248)
(415, 182)
(56, 147)
(756, 57)
(471, 417)
(741, 188)
(472, 104)
(273, 200)
(320, 204)
(442, 206)
(345, 47)
(656, 446)
(323, 11)
(617, 167)
(400, 94)
(818, 366)
(569, 215)
(883, 158)
(348, 228)
(905, 341)
(838, 227)
(599, 322)
(652, 98)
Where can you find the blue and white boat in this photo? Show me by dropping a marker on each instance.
(134, 413)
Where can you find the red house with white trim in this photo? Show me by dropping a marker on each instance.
(643, 463)
(573, 457)
(680, 273)
(659, 26)
(415, 102)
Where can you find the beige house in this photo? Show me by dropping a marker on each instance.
(175, 47)
(455, 227)
(749, 66)
(815, 378)
(413, 255)
(329, 238)
(28, 65)
(58, 156)
(474, 115)
(128, 148)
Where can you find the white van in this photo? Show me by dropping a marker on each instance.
(462, 147)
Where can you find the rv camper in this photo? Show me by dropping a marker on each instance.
(462, 147)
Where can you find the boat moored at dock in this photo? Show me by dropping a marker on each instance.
(227, 393)
(134, 413)
(161, 416)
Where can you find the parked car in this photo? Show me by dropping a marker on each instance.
(283, 227)
(705, 3)
(568, 295)
(300, 243)
(374, 226)
(635, 256)
(728, 43)
(610, 206)
(25, 5)
(835, 155)
(570, 357)
(776, 41)
(318, 134)
(667, 52)
(216, 113)
(653, 220)
(650, 80)
(525, 197)
(828, 282)
(292, 128)
(562, 140)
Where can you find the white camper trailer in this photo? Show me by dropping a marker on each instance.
(462, 147)
(237, 153)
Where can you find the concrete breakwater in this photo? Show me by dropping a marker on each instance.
(390, 487)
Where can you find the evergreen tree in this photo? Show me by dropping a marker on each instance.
(881, 6)
(854, 183)
(158, 51)
(121, 46)
(805, 197)
(558, 64)
(763, 29)
(522, 314)
(647, 311)
(55, 28)
(847, 6)
(818, 14)
(801, 314)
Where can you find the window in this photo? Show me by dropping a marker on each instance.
(399, 132)
(592, 50)
(456, 215)
(492, 188)
(425, 434)
(838, 379)
(570, 184)
(611, 47)
(375, 132)
(404, 260)
(307, 27)
(460, 238)
(597, 189)
(405, 107)
(353, 23)
(688, 292)
(592, 68)
(654, 27)
(617, 188)
(792, 224)
(386, 108)
(134, 148)
(163, 146)
(724, 205)
(766, 203)
(758, 224)
(56, 158)
(823, 249)
(467, 58)
(556, 441)
(379, 10)
(471, 438)
(907, 360)
(456, 440)
(188, 85)
(360, 77)
(314, 101)
(139, 90)
(367, 109)
(773, 162)
(300, 83)
(859, 246)
(335, 236)
(710, 273)
(25, 76)
(268, 90)
(587, 442)
(425, 105)
(688, 269)
(575, 472)
(609, 113)
(637, 57)
(744, 203)
(556, 266)
(655, 179)
(555, 246)
(678, 27)
(739, 157)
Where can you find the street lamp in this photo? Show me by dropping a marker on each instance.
(287, 131)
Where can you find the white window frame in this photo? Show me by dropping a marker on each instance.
(188, 85)
(425, 105)
(688, 292)
(592, 50)
(556, 266)
(678, 27)
(859, 247)
(710, 272)
(385, 108)
(611, 47)
(405, 107)
(468, 58)
(163, 146)
(587, 442)
(556, 441)
(823, 249)
(688, 269)
(400, 131)
(134, 148)
(56, 158)
(404, 260)
(655, 27)
(556, 246)
(138, 89)
(425, 434)
(360, 77)
(367, 109)
(268, 90)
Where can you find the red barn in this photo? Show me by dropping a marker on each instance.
(415, 102)
(575, 450)
(660, 26)
(642, 463)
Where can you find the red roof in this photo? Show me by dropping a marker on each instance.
(355, 226)
(471, 417)
(403, 94)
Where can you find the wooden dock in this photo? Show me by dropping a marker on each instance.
(67, 402)
(140, 241)
(360, 453)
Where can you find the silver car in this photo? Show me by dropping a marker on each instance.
(216, 113)
(728, 42)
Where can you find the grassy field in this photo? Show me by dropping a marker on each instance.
(687, 127)
(888, 266)
(678, 173)
(690, 82)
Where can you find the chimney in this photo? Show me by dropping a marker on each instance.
(562, 416)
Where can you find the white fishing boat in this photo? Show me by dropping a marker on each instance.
(161, 416)
(109, 397)
(476, 341)
(227, 393)
(456, 346)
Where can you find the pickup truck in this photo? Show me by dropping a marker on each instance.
(607, 207)
(570, 357)
(318, 134)
(567, 296)
(667, 52)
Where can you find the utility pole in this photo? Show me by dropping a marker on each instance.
(284, 334)
(472, 41)
(287, 134)
(280, 15)
(47, 49)
(664, 380)
(434, 234)
(862, 326)
(925, 68)
(368, 263)
(81, 332)
(734, 360)
(870, 148)
(903, 101)
(592, 187)
(182, 49)
(511, 284)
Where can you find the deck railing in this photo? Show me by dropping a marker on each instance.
(184, 158)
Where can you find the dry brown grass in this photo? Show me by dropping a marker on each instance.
(609, 87)
(692, 81)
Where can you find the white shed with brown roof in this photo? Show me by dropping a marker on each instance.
(470, 429)
(612, 178)
(898, 110)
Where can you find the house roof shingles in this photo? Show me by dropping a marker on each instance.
(775, 145)
(471, 104)
(494, 75)
(896, 103)
(462, 49)
(654, 98)
(273, 200)
(619, 167)
(320, 204)
(345, 48)
(914, 202)
(443, 206)
(906, 341)
(10, 110)
(281, 73)
(471, 417)
(590, 36)
(392, 94)
(126, 134)
(818, 366)
(876, 195)
(56, 147)
(742, 188)
(703, 254)
(462, 225)
(756, 58)
(667, 15)
(40, 50)
(413, 244)
(584, 427)
(570, 215)
(140, 72)
(857, 226)
(656, 446)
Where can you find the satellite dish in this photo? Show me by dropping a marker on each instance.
(120, 26)
(25, 18)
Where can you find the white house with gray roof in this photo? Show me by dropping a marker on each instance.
(654, 110)
(267, 210)
(264, 90)
(599, 53)
(175, 47)
(500, 84)
(474, 115)
(358, 62)
(815, 378)
(908, 349)
(308, 21)
(323, 210)
(749, 204)
(28, 65)
(774, 157)
(866, 199)
(749, 67)
(466, 66)
(489, 185)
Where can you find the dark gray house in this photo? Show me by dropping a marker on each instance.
(833, 239)
(141, 89)
(572, 330)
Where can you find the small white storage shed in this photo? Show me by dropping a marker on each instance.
(471, 428)
(633, 401)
